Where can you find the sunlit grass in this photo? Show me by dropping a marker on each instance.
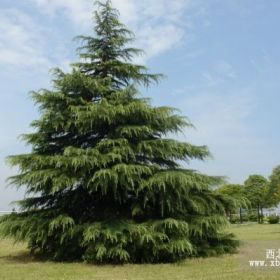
(16, 264)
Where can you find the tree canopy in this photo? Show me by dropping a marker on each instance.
(236, 198)
(274, 186)
(257, 191)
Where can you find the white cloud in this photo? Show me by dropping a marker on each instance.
(20, 40)
(153, 10)
(221, 72)
(158, 25)
(79, 11)
(156, 40)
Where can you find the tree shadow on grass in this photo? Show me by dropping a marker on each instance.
(23, 258)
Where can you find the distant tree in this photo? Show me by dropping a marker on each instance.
(236, 199)
(257, 191)
(274, 186)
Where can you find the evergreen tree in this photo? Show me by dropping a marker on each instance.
(103, 181)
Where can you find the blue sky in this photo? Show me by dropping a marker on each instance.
(221, 58)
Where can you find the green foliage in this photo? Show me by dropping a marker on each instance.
(103, 181)
(258, 193)
(274, 186)
(236, 196)
(256, 189)
(234, 219)
(252, 216)
(273, 219)
(235, 200)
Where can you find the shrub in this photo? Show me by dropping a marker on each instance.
(235, 219)
(273, 219)
(252, 217)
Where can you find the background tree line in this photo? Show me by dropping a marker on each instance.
(257, 193)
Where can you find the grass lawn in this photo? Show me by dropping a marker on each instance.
(16, 264)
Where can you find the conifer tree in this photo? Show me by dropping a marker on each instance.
(103, 181)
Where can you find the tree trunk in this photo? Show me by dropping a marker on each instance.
(258, 213)
(261, 215)
(240, 214)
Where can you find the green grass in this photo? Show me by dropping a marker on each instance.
(15, 263)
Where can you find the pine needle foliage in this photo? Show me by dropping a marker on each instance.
(103, 181)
